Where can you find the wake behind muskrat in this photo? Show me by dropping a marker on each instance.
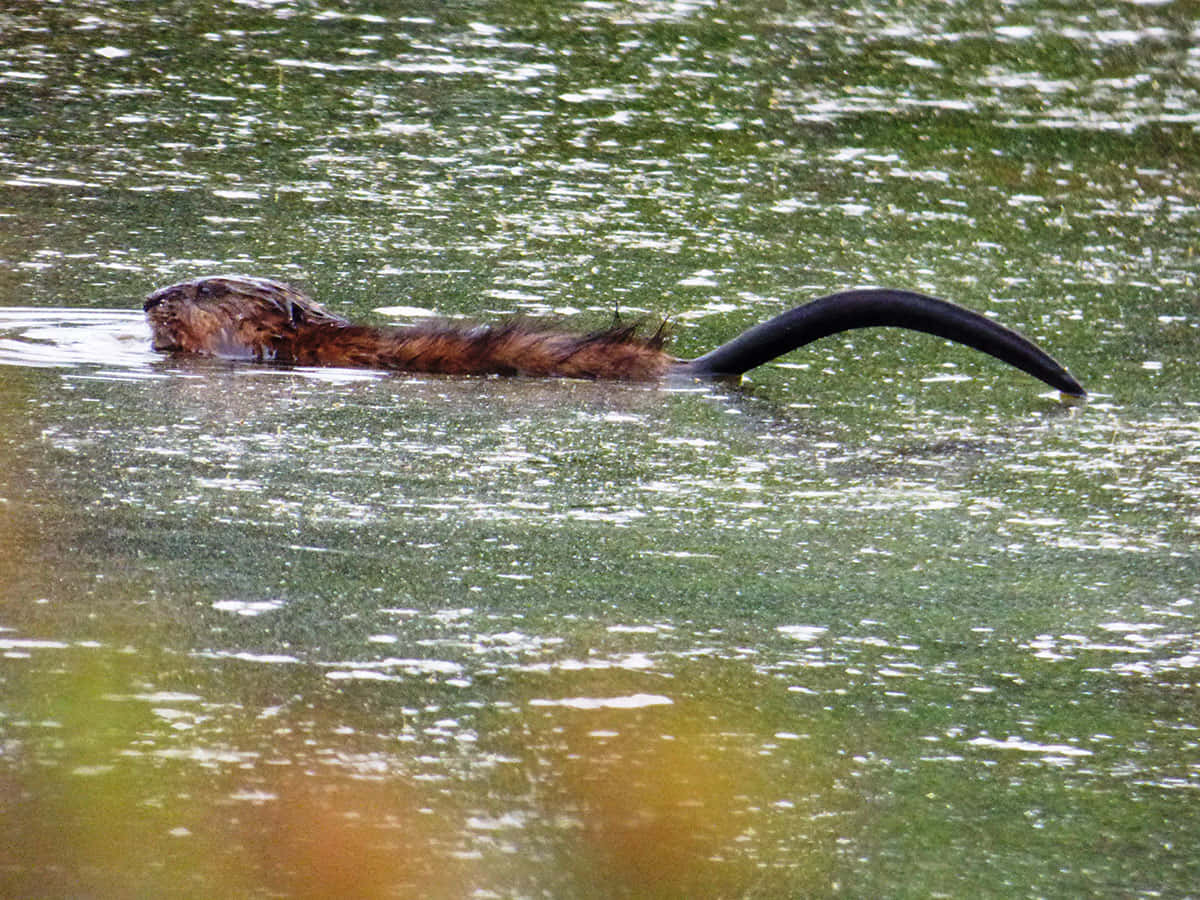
(242, 317)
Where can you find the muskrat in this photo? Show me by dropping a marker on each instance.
(241, 317)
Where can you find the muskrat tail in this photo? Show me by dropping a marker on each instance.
(872, 307)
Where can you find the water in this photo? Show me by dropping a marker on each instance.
(888, 620)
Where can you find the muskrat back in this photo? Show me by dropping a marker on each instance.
(242, 317)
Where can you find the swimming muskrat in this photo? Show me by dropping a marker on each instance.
(240, 317)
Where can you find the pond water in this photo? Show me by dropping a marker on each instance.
(888, 619)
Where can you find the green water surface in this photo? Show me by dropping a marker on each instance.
(888, 620)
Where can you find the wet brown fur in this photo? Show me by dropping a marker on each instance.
(259, 319)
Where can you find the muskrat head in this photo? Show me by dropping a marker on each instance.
(162, 312)
(235, 316)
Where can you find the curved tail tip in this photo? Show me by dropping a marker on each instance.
(1068, 387)
(1075, 395)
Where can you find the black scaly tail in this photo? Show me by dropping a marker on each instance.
(874, 307)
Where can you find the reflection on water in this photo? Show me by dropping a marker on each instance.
(554, 623)
(74, 337)
(886, 620)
